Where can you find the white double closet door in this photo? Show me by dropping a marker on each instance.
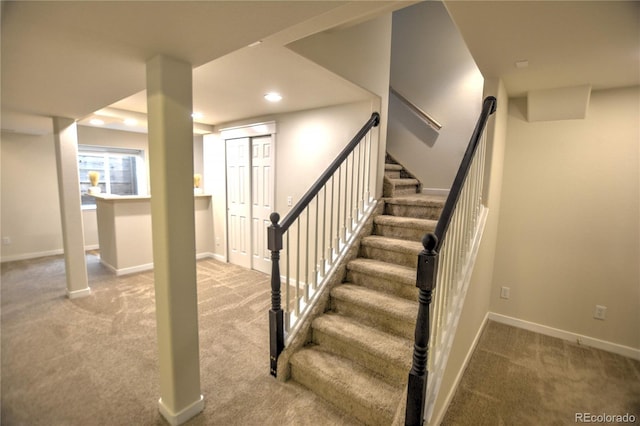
(250, 199)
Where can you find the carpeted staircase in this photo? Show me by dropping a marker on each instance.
(361, 348)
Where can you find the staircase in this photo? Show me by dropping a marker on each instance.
(361, 347)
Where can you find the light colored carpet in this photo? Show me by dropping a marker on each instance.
(92, 361)
(517, 377)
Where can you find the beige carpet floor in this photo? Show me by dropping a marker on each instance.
(92, 361)
(517, 377)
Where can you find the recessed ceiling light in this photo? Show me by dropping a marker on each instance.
(273, 97)
(96, 122)
(522, 63)
(130, 121)
(197, 115)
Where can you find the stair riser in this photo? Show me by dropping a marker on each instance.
(404, 190)
(393, 373)
(313, 380)
(400, 232)
(374, 282)
(420, 212)
(392, 174)
(377, 319)
(384, 255)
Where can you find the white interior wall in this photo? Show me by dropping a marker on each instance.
(432, 67)
(569, 233)
(362, 55)
(29, 208)
(306, 142)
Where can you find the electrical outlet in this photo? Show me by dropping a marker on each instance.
(600, 312)
(504, 292)
(6, 241)
(289, 201)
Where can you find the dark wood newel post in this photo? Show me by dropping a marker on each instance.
(276, 325)
(425, 281)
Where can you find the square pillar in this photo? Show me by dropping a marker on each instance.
(65, 135)
(169, 108)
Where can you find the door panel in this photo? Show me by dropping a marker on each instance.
(262, 200)
(238, 202)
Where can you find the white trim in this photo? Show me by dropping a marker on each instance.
(249, 130)
(129, 270)
(205, 255)
(78, 293)
(616, 348)
(219, 257)
(463, 367)
(436, 191)
(183, 415)
(35, 255)
(149, 266)
(26, 256)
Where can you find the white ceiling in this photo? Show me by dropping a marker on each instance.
(567, 43)
(72, 58)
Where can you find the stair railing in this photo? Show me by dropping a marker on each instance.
(427, 118)
(316, 233)
(444, 265)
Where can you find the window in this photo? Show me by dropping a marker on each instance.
(119, 171)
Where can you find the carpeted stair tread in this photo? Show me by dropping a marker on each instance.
(418, 199)
(394, 167)
(346, 384)
(384, 270)
(392, 244)
(406, 222)
(404, 182)
(377, 302)
(352, 334)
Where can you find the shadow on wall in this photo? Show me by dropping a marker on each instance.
(412, 122)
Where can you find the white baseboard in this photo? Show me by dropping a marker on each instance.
(436, 191)
(78, 293)
(205, 255)
(615, 348)
(437, 418)
(35, 255)
(219, 257)
(183, 415)
(148, 266)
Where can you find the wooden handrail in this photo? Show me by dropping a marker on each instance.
(275, 233)
(326, 175)
(427, 274)
(488, 108)
(415, 108)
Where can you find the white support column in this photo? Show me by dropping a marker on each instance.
(66, 145)
(169, 107)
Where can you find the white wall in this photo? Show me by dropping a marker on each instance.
(362, 55)
(569, 233)
(432, 67)
(306, 143)
(29, 208)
